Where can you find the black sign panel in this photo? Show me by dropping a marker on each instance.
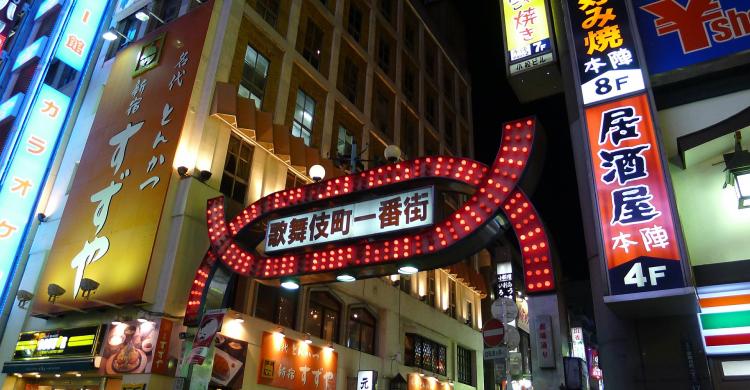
(504, 286)
(604, 49)
(59, 343)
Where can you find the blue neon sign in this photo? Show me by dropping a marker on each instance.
(27, 172)
(45, 7)
(79, 35)
(10, 107)
(30, 52)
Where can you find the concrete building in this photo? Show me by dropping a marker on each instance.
(280, 85)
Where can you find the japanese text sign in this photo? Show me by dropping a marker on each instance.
(636, 217)
(419, 382)
(545, 344)
(296, 365)
(366, 380)
(605, 49)
(109, 224)
(80, 32)
(527, 31)
(131, 347)
(678, 33)
(406, 210)
(27, 171)
(57, 344)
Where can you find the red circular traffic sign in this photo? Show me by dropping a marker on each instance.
(493, 332)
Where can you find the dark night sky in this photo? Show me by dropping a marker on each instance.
(556, 196)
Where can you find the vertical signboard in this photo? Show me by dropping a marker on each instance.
(80, 33)
(640, 241)
(109, 224)
(40, 129)
(545, 347)
(527, 34)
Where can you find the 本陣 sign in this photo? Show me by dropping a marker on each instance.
(57, 344)
(527, 33)
(679, 33)
(296, 365)
(636, 217)
(605, 49)
(109, 224)
(407, 210)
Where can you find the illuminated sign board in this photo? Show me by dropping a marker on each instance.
(639, 237)
(79, 35)
(27, 171)
(406, 210)
(30, 52)
(439, 243)
(45, 7)
(605, 50)
(677, 34)
(366, 380)
(640, 240)
(10, 107)
(724, 319)
(579, 348)
(57, 344)
(527, 34)
(296, 365)
(109, 224)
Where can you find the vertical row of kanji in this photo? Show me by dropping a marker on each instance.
(640, 241)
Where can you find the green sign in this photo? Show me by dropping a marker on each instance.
(58, 343)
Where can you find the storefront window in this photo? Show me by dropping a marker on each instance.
(425, 353)
(361, 330)
(276, 305)
(322, 316)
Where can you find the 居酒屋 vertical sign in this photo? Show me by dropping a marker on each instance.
(639, 236)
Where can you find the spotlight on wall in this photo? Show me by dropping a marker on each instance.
(182, 171)
(307, 338)
(738, 171)
(290, 284)
(346, 278)
(204, 175)
(112, 34)
(87, 287)
(408, 270)
(24, 297)
(42, 217)
(54, 291)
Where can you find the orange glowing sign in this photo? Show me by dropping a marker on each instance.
(418, 382)
(640, 241)
(295, 365)
(110, 221)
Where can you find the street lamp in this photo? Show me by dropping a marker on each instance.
(738, 171)
(392, 153)
(317, 172)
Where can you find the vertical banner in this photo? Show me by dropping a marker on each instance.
(527, 34)
(640, 240)
(111, 218)
(209, 326)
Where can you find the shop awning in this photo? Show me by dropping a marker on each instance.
(49, 365)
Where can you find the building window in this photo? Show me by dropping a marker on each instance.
(430, 288)
(344, 144)
(409, 87)
(276, 305)
(410, 37)
(429, 108)
(384, 54)
(382, 112)
(405, 283)
(304, 112)
(465, 365)
(449, 132)
(361, 330)
(128, 27)
(237, 169)
(293, 181)
(323, 315)
(313, 44)
(448, 85)
(386, 9)
(350, 79)
(268, 10)
(254, 76)
(462, 105)
(425, 353)
(354, 24)
(469, 313)
(167, 10)
(452, 298)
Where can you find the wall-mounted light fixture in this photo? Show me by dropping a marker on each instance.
(41, 217)
(204, 175)
(112, 34)
(144, 15)
(738, 171)
(183, 171)
(317, 172)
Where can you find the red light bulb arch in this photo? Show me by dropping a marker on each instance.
(495, 191)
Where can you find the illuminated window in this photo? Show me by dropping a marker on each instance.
(425, 353)
(405, 283)
(350, 80)
(465, 365)
(276, 305)
(254, 76)
(469, 313)
(313, 44)
(304, 112)
(344, 143)
(452, 298)
(323, 316)
(361, 329)
(236, 175)
(430, 288)
(268, 10)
